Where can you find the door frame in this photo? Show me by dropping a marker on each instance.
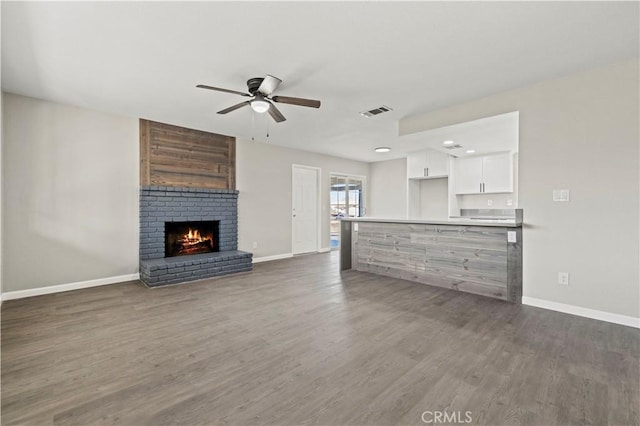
(318, 171)
(364, 198)
(364, 187)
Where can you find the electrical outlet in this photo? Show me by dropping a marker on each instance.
(489, 203)
(509, 202)
(563, 278)
(255, 244)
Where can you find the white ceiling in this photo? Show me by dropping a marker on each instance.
(499, 133)
(145, 59)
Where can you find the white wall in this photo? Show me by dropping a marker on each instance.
(1, 195)
(263, 177)
(71, 181)
(388, 189)
(481, 201)
(1, 177)
(71, 194)
(434, 198)
(580, 132)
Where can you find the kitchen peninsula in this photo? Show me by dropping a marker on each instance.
(475, 256)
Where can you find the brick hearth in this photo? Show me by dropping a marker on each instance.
(159, 204)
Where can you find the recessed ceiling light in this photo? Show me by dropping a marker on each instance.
(382, 149)
(471, 151)
(448, 143)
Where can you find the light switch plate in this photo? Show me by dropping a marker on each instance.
(511, 237)
(355, 227)
(561, 195)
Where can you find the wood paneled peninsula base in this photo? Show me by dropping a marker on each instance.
(480, 257)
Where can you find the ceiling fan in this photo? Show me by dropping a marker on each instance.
(260, 89)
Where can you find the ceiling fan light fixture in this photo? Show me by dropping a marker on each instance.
(260, 91)
(259, 105)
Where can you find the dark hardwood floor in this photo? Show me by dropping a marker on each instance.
(294, 342)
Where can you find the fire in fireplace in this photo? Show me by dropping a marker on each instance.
(182, 238)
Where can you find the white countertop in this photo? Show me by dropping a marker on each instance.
(507, 223)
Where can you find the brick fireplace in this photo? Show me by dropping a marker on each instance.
(161, 205)
(188, 206)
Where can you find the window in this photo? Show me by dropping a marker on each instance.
(346, 198)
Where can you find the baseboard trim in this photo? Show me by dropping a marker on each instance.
(20, 294)
(582, 312)
(270, 258)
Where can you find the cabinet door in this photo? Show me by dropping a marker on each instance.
(417, 164)
(437, 163)
(468, 175)
(498, 173)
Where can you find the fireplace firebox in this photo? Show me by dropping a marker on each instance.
(184, 238)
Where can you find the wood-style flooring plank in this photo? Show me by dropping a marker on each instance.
(297, 342)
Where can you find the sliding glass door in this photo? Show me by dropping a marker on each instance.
(346, 197)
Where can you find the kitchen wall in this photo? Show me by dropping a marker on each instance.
(434, 196)
(389, 193)
(579, 132)
(481, 201)
(70, 189)
(263, 177)
(388, 189)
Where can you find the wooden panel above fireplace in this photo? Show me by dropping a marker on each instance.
(177, 156)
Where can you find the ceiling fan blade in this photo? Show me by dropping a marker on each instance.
(235, 107)
(268, 85)
(276, 114)
(235, 92)
(297, 101)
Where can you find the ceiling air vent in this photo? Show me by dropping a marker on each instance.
(376, 111)
(456, 146)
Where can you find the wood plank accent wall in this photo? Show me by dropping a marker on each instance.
(473, 259)
(177, 156)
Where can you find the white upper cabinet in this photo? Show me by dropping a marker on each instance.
(437, 163)
(427, 164)
(468, 175)
(485, 174)
(416, 164)
(497, 173)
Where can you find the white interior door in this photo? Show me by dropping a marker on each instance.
(305, 209)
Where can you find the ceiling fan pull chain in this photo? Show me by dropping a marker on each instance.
(267, 129)
(253, 125)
